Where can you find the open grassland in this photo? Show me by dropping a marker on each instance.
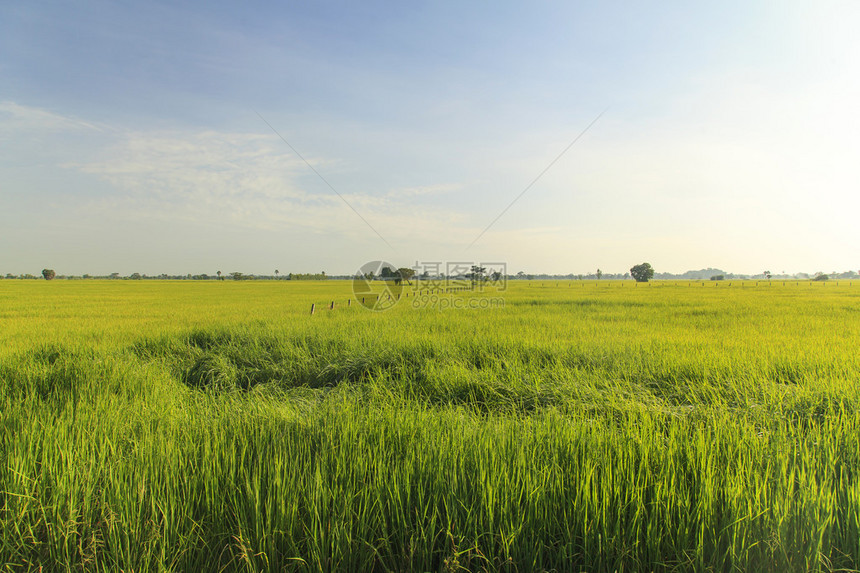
(149, 426)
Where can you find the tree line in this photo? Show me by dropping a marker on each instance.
(50, 274)
(477, 274)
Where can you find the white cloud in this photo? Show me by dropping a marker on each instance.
(249, 180)
(15, 118)
(425, 190)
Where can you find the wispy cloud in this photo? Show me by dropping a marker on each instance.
(247, 180)
(14, 117)
(229, 177)
(425, 190)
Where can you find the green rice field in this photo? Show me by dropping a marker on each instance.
(551, 426)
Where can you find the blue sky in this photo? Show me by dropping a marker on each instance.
(130, 139)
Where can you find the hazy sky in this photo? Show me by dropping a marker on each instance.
(130, 139)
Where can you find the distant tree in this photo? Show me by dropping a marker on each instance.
(114, 275)
(405, 275)
(219, 276)
(236, 276)
(135, 276)
(476, 273)
(599, 274)
(642, 273)
(820, 277)
(276, 274)
(496, 276)
(49, 274)
(307, 277)
(767, 275)
(718, 277)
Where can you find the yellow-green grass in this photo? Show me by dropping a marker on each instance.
(575, 426)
